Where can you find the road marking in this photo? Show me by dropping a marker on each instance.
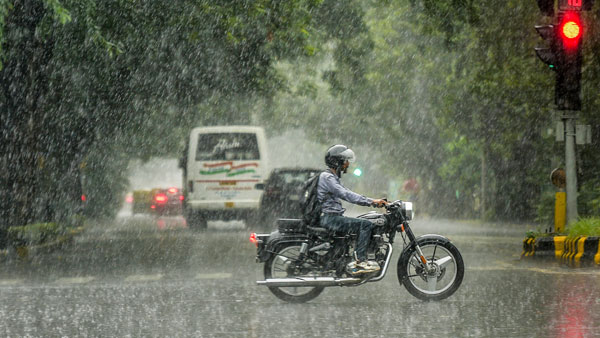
(74, 280)
(564, 272)
(503, 266)
(9, 282)
(143, 278)
(218, 275)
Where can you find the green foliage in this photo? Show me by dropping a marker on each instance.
(538, 233)
(61, 14)
(103, 81)
(589, 226)
(545, 208)
(33, 234)
(589, 198)
(444, 87)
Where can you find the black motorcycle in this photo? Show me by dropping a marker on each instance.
(300, 260)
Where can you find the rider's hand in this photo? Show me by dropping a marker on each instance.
(379, 203)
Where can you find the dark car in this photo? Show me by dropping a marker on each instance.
(167, 201)
(282, 190)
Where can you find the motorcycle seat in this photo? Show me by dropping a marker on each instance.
(318, 230)
(290, 225)
(325, 232)
(291, 222)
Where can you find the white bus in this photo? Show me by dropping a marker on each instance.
(221, 168)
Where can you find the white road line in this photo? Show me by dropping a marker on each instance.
(9, 282)
(565, 272)
(74, 280)
(218, 275)
(143, 278)
(553, 271)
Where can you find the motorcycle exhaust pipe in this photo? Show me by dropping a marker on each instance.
(308, 281)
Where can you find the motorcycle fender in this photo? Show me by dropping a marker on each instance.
(420, 239)
(276, 239)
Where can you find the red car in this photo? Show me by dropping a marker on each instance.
(167, 202)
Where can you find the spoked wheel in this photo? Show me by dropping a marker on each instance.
(285, 265)
(443, 275)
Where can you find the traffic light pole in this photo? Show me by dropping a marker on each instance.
(569, 121)
(564, 56)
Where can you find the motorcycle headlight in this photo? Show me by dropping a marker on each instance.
(409, 213)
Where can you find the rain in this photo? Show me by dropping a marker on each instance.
(130, 186)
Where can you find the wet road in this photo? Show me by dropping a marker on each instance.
(145, 277)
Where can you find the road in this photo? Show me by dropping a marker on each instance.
(146, 277)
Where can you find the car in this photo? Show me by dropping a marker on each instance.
(140, 201)
(167, 201)
(282, 193)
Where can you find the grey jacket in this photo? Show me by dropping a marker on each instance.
(330, 190)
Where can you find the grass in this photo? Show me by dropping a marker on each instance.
(33, 234)
(39, 233)
(585, 227)
(589, 227)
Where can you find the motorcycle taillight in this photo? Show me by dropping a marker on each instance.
(253, 239)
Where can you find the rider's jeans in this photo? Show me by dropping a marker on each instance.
(350, 225)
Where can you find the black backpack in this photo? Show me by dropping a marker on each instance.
(311, 207)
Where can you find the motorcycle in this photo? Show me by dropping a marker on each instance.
(300, 261)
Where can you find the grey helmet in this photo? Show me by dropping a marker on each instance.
(337, 155)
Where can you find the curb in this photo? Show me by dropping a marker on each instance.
(575, 252)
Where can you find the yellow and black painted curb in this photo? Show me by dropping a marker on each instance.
(576, 251)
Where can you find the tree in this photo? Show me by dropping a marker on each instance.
(87, 83)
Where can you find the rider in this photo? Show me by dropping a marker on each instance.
(329, 192)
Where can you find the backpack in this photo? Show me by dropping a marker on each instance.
(311, 207)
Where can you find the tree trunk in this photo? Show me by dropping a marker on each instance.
(24, 84)
(483, 197)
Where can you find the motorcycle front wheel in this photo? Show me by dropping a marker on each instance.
(445, 273)
(284, 265)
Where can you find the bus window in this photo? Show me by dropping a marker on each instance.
(227, 146)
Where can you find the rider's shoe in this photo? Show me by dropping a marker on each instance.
(357, 268)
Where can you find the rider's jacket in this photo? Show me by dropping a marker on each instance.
(330, 190)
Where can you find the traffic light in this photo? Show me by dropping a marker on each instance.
(357, 172)
(564, 56)
(549, 55)
(568, 76)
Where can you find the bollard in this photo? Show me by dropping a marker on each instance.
(560, 211)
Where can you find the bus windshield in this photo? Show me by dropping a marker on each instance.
(227, 146)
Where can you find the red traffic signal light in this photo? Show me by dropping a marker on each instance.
(570, 30)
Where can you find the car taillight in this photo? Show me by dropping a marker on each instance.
(181, 197)
(160, 198)
(253, 239)
(173, 190)
(129, 199)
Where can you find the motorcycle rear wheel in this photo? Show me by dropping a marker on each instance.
(442, 281)
(280, 266)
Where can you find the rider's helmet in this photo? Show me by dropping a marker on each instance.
(337, 155)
